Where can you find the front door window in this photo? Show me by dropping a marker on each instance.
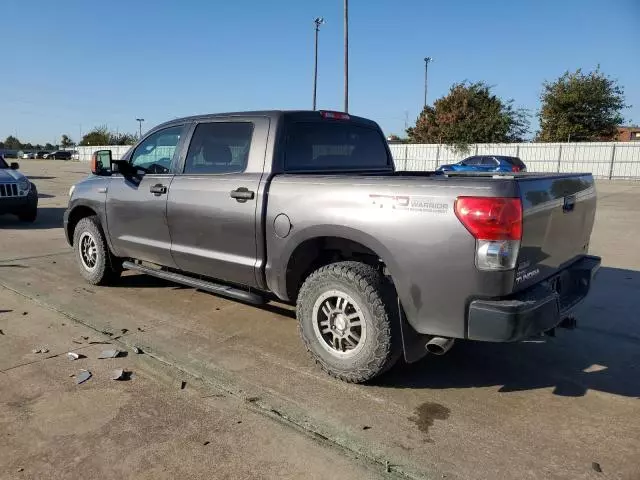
(156, 153)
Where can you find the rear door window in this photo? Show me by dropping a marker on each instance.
(471, 161)
(334, 146)
(219, 147)
(489, 161)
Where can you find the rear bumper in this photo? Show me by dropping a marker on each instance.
(535, 310)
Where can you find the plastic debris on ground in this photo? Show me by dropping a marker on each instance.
(83, 376)
(73, 356)
(121, 374)
(110, 354)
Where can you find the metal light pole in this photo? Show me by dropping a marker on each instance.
(139, 120)
(318, 21)
(427, 60)
(346, 56)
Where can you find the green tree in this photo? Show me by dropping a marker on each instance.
(66, 142)
(580, 107)
(103, 136)
(122, 139)
(470, 113)
(12, 143)
(97, 136)
(49, 147)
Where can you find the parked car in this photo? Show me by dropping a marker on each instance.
(59, 155)
(306, 207)
(486, 163)
(42, 154)
(18, 195)
(9, 153)
(29, 155)
(75, 155)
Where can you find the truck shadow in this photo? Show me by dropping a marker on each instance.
(603, 353)
(48, 217)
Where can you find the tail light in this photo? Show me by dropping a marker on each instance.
(496, 224)
(334, 115)
(515, 168)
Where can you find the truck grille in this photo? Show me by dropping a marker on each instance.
(8, 190)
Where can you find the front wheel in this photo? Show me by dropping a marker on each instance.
(348, 321)
(96, 263)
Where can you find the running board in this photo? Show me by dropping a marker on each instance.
(222, 290)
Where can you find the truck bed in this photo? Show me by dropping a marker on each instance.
(408, 220)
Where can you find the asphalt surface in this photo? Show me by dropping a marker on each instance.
(565, 407)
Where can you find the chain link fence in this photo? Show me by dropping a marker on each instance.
(612, 160)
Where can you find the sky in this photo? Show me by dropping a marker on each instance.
(71, 65)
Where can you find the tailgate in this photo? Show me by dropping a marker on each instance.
(558, 215)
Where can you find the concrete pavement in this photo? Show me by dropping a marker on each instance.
(146, 427)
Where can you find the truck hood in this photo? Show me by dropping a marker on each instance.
(9, 176)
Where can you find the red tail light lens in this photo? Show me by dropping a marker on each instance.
(491, 218)
(515, 168)
(334, 115)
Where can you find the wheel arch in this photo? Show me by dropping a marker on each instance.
(77, 213)
(321, 245)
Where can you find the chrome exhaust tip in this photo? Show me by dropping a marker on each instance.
(439, 345)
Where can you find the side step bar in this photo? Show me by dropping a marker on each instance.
(222, 290)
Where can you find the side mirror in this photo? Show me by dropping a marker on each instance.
(101, 162)
(14, 165)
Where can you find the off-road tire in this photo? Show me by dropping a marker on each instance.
(107, 268)
(376, 299)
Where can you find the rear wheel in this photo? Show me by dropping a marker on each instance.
(348, 321)
(96, 263)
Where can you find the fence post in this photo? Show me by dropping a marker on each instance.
(613, 156)
(518, 150)
(406, 155)
(438, 156)
(476, 149)
(559, 157)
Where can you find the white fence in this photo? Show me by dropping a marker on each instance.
(603, 159)
(117, 151)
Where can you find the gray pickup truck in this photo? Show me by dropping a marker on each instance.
(306, 207)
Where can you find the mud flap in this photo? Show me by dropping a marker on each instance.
(413, 343)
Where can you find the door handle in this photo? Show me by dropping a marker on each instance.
(242, 194)
(158, 189)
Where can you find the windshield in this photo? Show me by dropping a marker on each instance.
(334, 146)
(3, 164)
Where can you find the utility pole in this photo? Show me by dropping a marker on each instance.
(139, 120)
(346, 56)
(318, 21)
(427, 60)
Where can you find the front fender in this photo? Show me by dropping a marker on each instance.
(90, 193)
